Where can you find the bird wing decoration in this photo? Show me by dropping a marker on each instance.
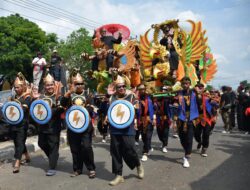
(128, 52)
(194, 45)
(146, 59)
(208, 67)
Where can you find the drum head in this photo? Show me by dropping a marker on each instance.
(40, 112)
(77, 119)
(12, 113)
(121, 114)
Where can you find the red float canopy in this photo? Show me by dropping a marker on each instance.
(114, 30)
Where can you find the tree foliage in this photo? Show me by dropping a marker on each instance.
(20, 39)
(79, 41)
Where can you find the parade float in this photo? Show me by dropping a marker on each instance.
(164, 54)
(166, 60)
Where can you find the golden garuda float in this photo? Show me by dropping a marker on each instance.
(177, 53)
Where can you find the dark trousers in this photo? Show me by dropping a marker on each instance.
(146, 134)
(186, 136)
(102, 128)
(240, 113)
(225, 114)
(163, 132)
(19, 137)
(81, 150)
(232, 116)
(201, 135)
(49, 143)
(55, 71)
(123, 147)
(109, 60)
(137, 135)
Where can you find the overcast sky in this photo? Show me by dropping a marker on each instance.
(227, 23)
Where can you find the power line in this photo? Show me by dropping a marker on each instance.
(51, 12)
(70, 12)
(48, 14)
(58, 12)
(37, 19)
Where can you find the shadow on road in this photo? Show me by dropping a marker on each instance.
(234, 173)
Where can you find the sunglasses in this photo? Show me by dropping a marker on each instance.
(79, 84)
(123, 86)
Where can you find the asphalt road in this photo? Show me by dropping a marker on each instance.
(227, 167)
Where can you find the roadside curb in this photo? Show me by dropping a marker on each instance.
(7, 148)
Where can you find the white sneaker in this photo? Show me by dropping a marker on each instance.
(150, 151)
(185, 163)
(224, 132)
(103, 140)
(164, 149)
(246, 133)
(136, 143)
(144, 158)
(204, 153)
(51, 172)
(176, 136)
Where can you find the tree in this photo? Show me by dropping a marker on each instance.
(20, 39)
(79, 41)
(51, 42)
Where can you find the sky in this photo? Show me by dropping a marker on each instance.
(227, 23)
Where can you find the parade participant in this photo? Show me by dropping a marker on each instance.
(204, 122)
(122, 140)
(215, 97)
(240, 110)
(163, 115)
(103, 105)
(55, 67)
(188, 112)
(80, 143)
(108, 42)
(225, 108)
(233, 106)
(174, 115)
(167, 41)
(146, 120)
(49, 134)
(39, 63)
(246, 109)
(19, 132)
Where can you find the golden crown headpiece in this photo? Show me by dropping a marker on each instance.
(119, 80)
(48, 78)
(20, 79)
(76, 76)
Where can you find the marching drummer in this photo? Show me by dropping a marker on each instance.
(122, 145)
(79, 139)
(19, 131)
(49, 133)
